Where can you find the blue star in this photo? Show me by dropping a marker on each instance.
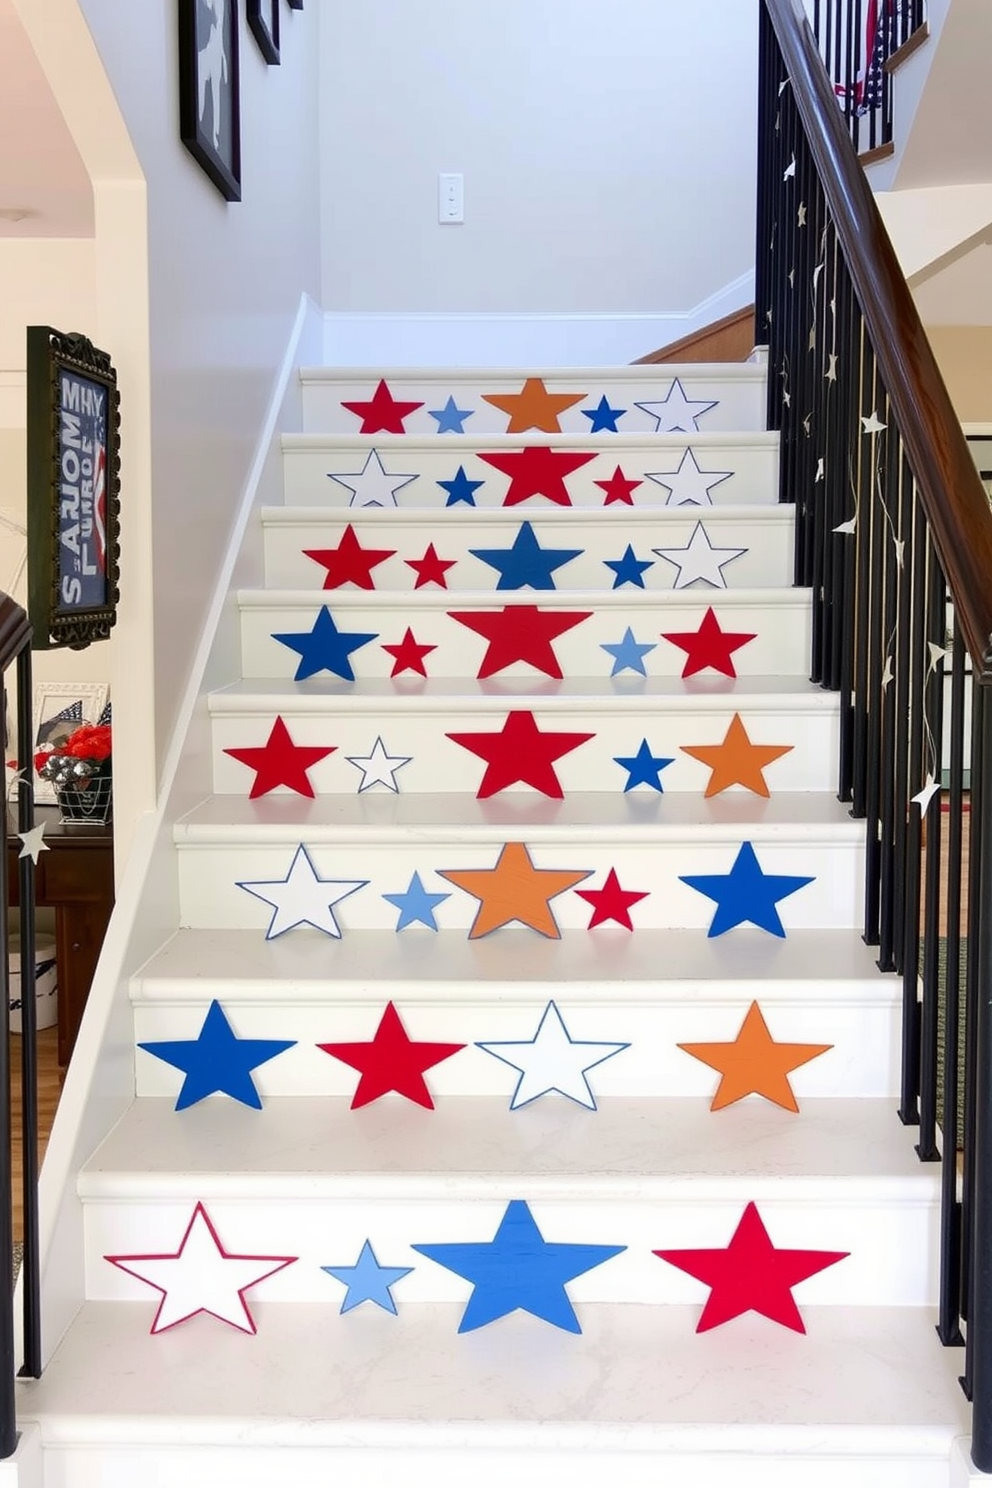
(416, 906)
(217, 1062)
(450, 418)
(518, 1270)
(746, 894)
(643, 768)
(603, 417)
(526, 565)
(461, 488)
(367, 1281)
(325, 648)
(628, 654)
(629, 569)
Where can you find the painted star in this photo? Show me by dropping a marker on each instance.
(533, 407)
(751, 1275)
(746, 895)
(525, 564)
(520, 752)
(430, 569)
(603, 418)
(643, 768)
(629, 569)
(379, 767)
(367, 1281)
(324, 648)
(451, 419)
(372, 486)
(460, 489)
(280, 762)
(931, 788)
(736, 761)
(201, 1276)
(611, 902)
(514, 890)
(391, 1062)
(709, 646)
(699, 562)
(628, 654)
(408, 655)
(349, 562)
(754, 1064)
(688, 485)
(537, 471)
(416, 906)
(872, 424)
(552, 1062)
(675, 413)
(518, 1270)
(382, 413)
(33, 843)
(217, 1062)
(520, 633)
(302, 897)
(618, 489)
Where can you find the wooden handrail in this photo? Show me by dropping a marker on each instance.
(955, 502)
(15, 630)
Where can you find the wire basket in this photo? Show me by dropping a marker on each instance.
(92, 803)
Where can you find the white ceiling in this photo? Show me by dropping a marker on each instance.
(41, 170)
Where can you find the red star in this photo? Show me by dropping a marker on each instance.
(751, 1275)
(349, 562)
(409, 655)
(391, 1061)
(611, 902)
(430, 569)
(709, 646)
(382, 414)
(280, 762)
(537, 471)
(618, 488)
(519, 633)
(520, 752)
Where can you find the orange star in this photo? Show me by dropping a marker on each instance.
(754, 1064)
(514, 890)
(533, 407)
(736, 761)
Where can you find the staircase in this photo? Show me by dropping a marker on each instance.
(522, 803)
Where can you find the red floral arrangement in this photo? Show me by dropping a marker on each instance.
(80, 761)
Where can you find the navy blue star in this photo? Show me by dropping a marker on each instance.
(217, 1062)
(526, 565)
(461, 488)
(450, 418)
(603, 418)
(629, 569)
(643, 768)
(746, 894)
(518, 1270)
(325, 648)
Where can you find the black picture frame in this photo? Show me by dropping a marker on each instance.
(210, 90)
(73, 472)
(263, 18)
(296, 4)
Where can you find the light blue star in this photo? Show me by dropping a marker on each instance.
(643, 768)
(450, 418)
(460, 488)
(367, 1281)
(217, 1062)
(416, 906)
(628, 654)
(629, 569)
(603, 418)
(746, 893)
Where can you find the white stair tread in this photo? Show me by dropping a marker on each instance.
(667, 601)
(701, 441)
(477, 519)
(654, 373)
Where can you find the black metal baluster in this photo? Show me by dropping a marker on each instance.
(30, 1261)
(931, 688)
(979, 1351)
(8, 1422)
(977, 878)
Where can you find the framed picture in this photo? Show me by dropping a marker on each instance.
(59, 709)
(263, 18)
(73, 435)
(209, 90)
(296, 4)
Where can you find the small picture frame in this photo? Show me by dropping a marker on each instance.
(263, 18)
(73, 469)
(210, 90)
(59, 709)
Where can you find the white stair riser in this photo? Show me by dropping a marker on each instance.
(750, 464)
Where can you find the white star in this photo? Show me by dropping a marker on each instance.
(938, 654)
(926, 795)
(201, 1277)
(887, 673)
(816, 275)
(792, 278)
(831, 372)
(872, 424)
(807, 424)
(782, 86)
(812, 338)
(847, 526)
(699, 560)
(552, 1061)
(34, 843)
(900, 547)
(378, 768)
(302, 898)
(819, 474)
(790, 170)
(674, 414)
(801, 215)
(371, 486)
(688, 485)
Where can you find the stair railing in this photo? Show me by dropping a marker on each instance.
(15, 653)
(858, 40)
(894, 538)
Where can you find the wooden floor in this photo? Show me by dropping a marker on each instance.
(49, 1089)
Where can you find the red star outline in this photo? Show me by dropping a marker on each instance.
(391, 1062)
